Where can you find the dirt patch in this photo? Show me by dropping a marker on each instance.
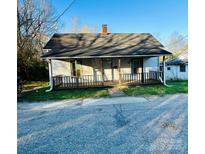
(115, 92)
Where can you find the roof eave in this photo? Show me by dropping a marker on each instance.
(89, 57)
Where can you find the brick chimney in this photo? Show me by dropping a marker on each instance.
(104, 29)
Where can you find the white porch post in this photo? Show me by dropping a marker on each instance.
(142, 65)
(50, 75)
(119, 70)
(102, 71)
(164, 71)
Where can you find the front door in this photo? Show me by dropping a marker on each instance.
(136, 66)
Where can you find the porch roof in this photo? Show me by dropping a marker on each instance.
(88, 45)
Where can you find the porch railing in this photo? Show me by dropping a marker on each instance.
(142, 78)
(63, 82)
(75, 82)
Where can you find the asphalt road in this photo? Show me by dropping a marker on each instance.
(106, 125)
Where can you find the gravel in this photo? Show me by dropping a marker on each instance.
(105, 125)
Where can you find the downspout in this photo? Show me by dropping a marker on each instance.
(50, 76)
(163, 82)
(164, 76)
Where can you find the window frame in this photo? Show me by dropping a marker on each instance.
(182, 68)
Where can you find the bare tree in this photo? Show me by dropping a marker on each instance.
(177, 44)
(35, 19)
(86, 29)
(77, 27)
(35, 22)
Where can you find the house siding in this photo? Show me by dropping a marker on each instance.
(151, 64)
(86, 67)
(60, 67)
(175, 74)
(93, 66)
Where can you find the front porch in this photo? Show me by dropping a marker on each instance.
(105, 72)
(85, 81)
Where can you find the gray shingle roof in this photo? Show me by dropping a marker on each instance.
(98, 45)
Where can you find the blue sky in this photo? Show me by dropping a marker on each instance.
(161, 17)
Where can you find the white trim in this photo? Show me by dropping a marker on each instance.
(90, 57)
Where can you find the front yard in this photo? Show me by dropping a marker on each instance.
(42, 95)
(174, 87)
(34, 84)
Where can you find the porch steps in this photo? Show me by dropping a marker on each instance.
(114, 92)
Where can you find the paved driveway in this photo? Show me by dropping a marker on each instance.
(106, 125)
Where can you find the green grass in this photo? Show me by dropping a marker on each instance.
(33, 84)
(175, 87)
(41, 95)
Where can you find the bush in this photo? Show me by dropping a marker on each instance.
(36, 71)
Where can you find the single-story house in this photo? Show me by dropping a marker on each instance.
(78, 60)
(177, 69)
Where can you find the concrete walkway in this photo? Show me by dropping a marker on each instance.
(114, 92)
(106, 125)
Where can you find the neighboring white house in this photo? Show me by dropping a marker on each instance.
(177, 69)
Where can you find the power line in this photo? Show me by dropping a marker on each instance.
(66, 9)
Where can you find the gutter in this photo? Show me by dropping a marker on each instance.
(164, 77)
(164, 83)
(51, 88)
(90, 57)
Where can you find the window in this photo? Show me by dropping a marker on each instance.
(168, 68)
(76, 69)
(182, 68)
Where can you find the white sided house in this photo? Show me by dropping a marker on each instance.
(177, 69)
(78, 60)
